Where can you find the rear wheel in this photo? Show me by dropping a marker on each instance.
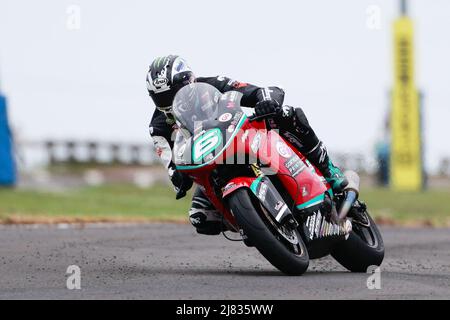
(363, 248)
(282, 247)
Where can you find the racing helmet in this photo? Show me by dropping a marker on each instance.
(165, 77)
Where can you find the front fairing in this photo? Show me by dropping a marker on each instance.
(209, 121)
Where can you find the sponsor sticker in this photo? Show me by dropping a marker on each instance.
(295, 165)
(256, 143)
(283, 149)
(262, 192)
(228, 187)
(181, 151)
(244, 136)
(237, 117)
(279, 205)
(159, 82)
(225, 117)
(305, 192)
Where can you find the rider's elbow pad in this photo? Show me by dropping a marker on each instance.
(163, 150)
(271, 93)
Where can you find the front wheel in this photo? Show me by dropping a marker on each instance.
(363, 248)
(282, 247)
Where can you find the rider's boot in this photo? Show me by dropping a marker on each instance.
(207, 222)
(318, 156)
(205, 217)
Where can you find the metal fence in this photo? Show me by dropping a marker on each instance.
(123, 153)
(94, 152)
(52, 152)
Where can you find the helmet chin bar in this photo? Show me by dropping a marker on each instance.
(164, 109)
(170, 118)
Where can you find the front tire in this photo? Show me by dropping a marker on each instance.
(283, 248)
(363, 248)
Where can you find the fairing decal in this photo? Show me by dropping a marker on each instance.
(217, 154)
(266, 193)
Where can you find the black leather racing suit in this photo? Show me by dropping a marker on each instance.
(292, 125)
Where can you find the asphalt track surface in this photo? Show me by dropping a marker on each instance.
(170, 261)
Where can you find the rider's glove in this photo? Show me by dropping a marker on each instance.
(180, 181)
(267, 107)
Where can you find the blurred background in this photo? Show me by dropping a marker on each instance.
(74, 111)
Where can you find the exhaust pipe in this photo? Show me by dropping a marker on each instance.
(352, 193)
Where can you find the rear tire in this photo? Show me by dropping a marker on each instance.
(363, 248)
(266, 238)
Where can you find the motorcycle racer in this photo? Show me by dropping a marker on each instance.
(169, 74)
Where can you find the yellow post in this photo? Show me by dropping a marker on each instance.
(406, 157)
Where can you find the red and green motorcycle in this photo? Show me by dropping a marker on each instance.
(266, 189)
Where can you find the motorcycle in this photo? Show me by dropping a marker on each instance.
(266, 189)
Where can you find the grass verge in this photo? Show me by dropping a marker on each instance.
(118, 203)
(126, 203)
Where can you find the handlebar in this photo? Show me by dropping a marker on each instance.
(262, 117)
